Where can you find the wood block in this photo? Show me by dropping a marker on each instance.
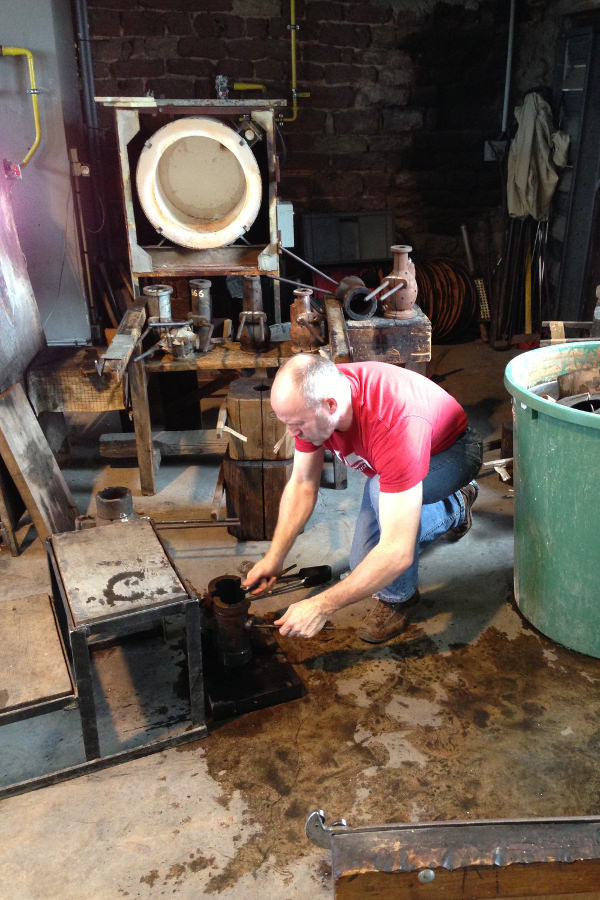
(32, 661)
(32, 466)
(249, 412)
(253, 490)
(339, 345)
(397, 341)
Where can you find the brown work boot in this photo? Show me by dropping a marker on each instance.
(386, 620)
(469, 493)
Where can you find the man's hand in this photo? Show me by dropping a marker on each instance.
(302, 619)
(261, 576)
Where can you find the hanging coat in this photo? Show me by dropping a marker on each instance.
(534, 152)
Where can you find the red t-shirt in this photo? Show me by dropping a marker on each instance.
(399, 421)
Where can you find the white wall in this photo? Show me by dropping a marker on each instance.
(43, 200)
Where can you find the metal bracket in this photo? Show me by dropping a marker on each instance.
(319, 833)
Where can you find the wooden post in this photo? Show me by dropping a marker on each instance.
(141, 424)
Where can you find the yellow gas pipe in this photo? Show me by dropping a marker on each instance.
(21, 51)
(293, 28)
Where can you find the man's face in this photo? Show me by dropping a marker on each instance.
(309, 423)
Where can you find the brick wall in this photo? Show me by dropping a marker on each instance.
(400, 101)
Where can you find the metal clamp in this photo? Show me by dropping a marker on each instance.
(319, 833)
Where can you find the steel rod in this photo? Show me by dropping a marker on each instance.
(308, 265)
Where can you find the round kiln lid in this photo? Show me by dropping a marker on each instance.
(198, 183)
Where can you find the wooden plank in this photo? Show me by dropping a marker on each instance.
(223, 356)
(168, 443)
(469, 861)
(141, 423)
(339, 344)
(21, 335)
(120, 350)
(32, 466)
(32, 662)
(11, 509)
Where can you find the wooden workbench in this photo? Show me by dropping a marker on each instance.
(404, 342)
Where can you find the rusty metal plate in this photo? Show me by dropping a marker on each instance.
(115, 569)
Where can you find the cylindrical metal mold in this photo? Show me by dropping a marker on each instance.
(352, 292)
(114, 504)
(557, 513)
(230, 606)
(200, 299)
(159, 301)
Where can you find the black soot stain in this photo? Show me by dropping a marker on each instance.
(127, 579)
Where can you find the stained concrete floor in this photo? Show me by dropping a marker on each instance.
(470, 714)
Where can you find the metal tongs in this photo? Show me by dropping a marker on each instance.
(307, 577)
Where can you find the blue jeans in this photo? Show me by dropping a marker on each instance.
(443, 508)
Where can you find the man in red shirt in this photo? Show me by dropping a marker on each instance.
(411, 439)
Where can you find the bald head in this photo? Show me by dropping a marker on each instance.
(312, 397)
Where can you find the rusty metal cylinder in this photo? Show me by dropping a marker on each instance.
(159, 301)
(200, 299)
(114, 504)
(307, 327)
(230, 606)
(351, 292)
(253, 333)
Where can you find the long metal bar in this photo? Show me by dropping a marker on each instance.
(309, 266)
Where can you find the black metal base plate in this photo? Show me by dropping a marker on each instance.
(266, 680)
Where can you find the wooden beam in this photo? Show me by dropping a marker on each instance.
(33, 467)
(115, 359)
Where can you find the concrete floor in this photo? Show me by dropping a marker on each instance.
(470, 714)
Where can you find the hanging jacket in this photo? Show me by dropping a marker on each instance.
(534, 152)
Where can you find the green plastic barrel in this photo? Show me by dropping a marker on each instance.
(557, 498)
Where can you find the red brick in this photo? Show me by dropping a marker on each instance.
(135, 23)
(323, 11)
(395, 120)
(325, 97)
(130, 87)
(162, 47)
(315, 52)
(178, 23)
(106, 49)
(351, 121)
(369, 13)
(258, 28)
(200, 48)
(171, 88)
(140, 68)
(244, 49)
(215, 25)
(188, 66)
(272, 70)
(104, 23)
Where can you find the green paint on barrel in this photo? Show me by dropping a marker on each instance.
(557, 499)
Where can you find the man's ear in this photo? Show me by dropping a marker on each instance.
(331, 405)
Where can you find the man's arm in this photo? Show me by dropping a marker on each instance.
(295, 508)
(399, 517)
